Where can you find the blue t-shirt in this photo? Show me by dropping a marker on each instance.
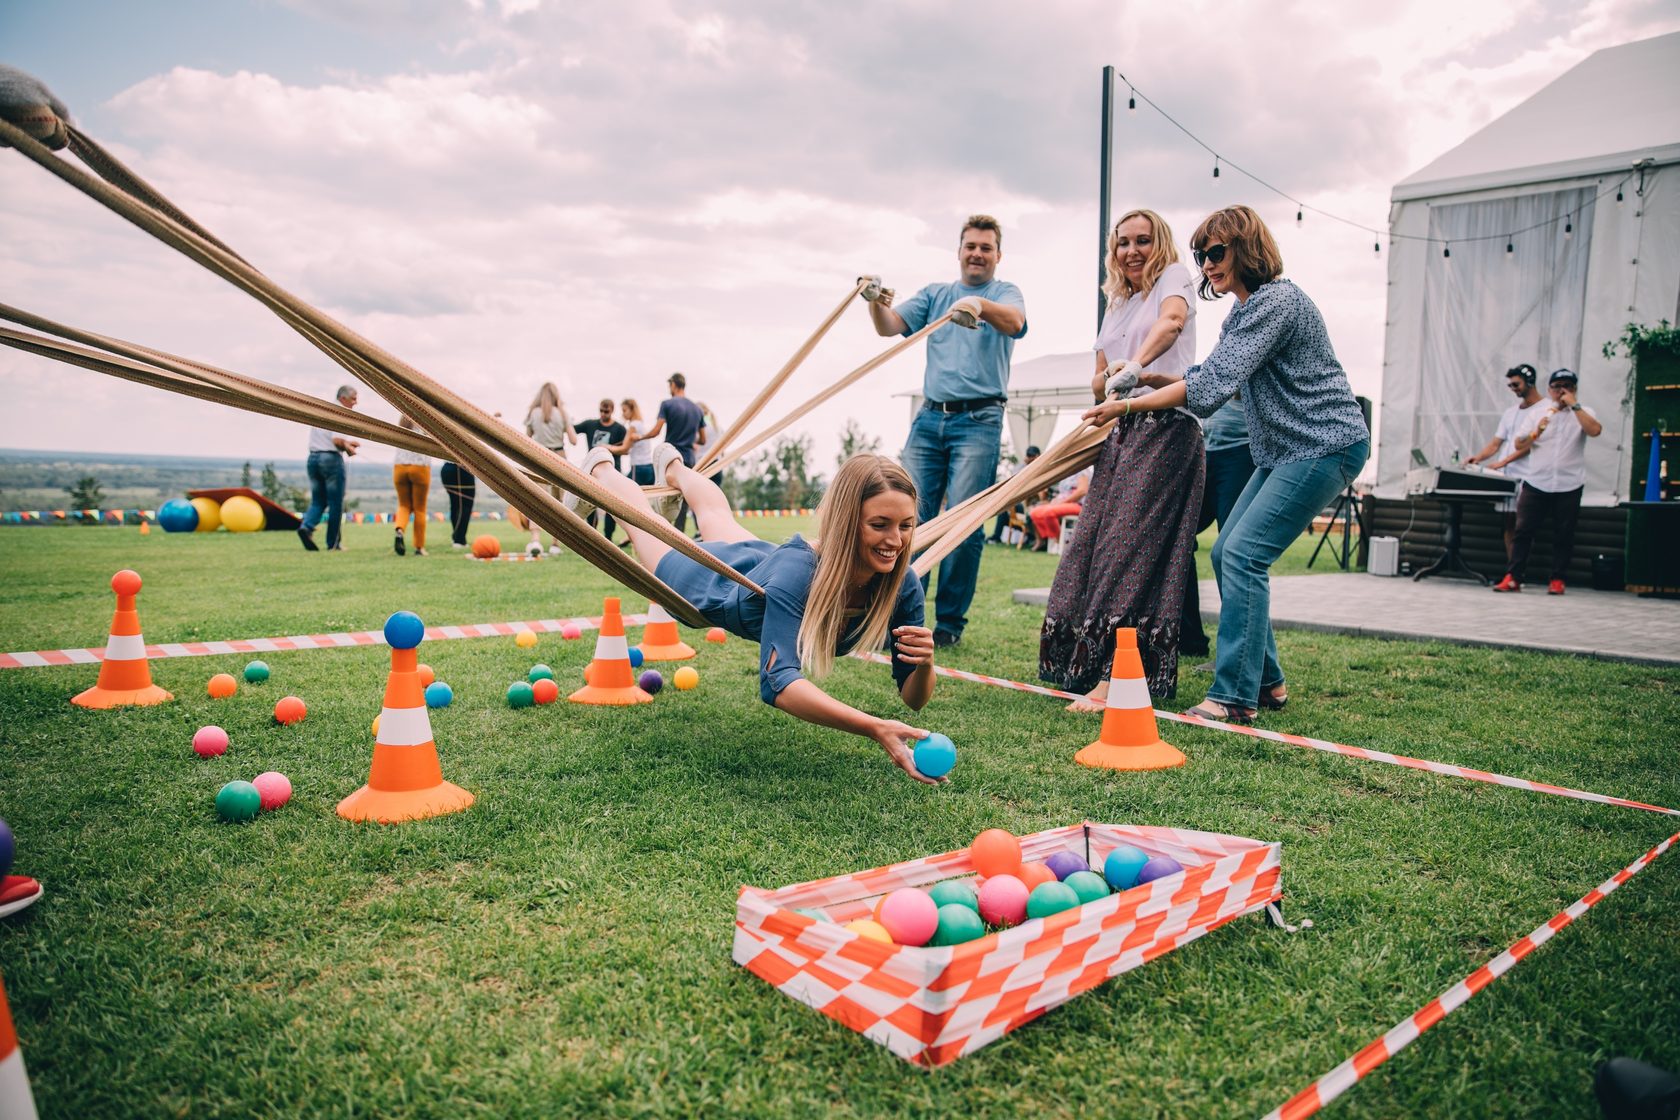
(963, 365)
(772, 620)
(683, 421)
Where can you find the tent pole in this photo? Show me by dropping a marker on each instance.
(1104, 174)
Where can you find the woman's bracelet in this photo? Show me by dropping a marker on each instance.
(1128, 403)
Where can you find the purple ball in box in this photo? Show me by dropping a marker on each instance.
(1065, 864)
(1159, 867)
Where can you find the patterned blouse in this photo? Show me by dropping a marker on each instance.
(1295, 393)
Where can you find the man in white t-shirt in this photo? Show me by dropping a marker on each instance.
(1501, 453)
(1554, 444)
(327, 451)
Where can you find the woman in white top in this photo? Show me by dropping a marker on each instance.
(641, 450)
(411, 473)
(547, 423)
(1128, 563)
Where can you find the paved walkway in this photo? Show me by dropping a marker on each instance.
(1611, 625)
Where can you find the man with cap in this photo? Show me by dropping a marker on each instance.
(1554, 443)
(1501, 453)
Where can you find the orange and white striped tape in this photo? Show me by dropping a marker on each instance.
(1404, 1033)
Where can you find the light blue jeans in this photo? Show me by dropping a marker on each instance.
(1275, 508)
(952, 456)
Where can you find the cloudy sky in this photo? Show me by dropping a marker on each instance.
(508, 191)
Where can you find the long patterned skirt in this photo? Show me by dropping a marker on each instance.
(1129, 557)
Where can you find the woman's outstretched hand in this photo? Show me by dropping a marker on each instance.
(913, 645)
(895, 738)
(1103, 413)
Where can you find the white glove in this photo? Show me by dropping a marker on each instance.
(1122, 378)
(27, 103)
(966, 312)
(871, 288)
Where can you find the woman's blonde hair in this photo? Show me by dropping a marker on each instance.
(632, 410)
(548, 398)
(839, 521)
(1162, 252)
(1254, 253)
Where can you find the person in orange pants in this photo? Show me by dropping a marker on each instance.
(1047, 518)
(412, 475)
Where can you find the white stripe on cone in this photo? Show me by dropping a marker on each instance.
(612, 648)
(657, 613)
(404, 727)
(1129, 694)
(16, 1102)
(125, 647)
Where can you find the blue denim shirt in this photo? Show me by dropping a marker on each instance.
(963, 365)
(1295, 393)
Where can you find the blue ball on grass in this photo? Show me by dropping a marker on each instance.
(439, 695)
(636, 657)
(177, 515)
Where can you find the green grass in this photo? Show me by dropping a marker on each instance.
(562, 948)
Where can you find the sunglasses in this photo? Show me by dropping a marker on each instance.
(1213, 253)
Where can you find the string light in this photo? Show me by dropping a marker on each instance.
(1298, 217)
(1376, 247)
(1216, 167)
(1446, 251)
(1510, 249)
(1568, 229)
(1618, 194)
(1131, 103)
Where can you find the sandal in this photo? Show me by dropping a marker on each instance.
(1271, 701)
(1216, 712)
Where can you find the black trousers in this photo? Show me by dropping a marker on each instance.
(1533, 507)
(462, 488)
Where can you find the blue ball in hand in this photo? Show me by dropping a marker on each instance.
(934, 756)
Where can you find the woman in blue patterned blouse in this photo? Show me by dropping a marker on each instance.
(1307, 434)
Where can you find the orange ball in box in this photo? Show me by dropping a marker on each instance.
(995, 852)
(1032, 874)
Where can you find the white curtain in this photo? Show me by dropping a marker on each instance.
(1486, 310)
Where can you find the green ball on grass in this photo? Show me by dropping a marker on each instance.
(238, 802)
(520, 694)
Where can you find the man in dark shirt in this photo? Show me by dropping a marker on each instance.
(605, 431)
(681, 421)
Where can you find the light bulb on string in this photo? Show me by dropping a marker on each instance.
(1446, 252)
(1510, 249)
(1568, 229)
(1376, 247)
(1298, 216)
(1216, 168)
(1618, 196)
(1131, 103)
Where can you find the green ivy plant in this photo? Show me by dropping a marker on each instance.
(1636, 337)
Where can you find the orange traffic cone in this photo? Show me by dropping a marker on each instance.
(16, 1101)
(406, 781)
(125, 676)
(660, 640)
(1129, 740)
(611, 679)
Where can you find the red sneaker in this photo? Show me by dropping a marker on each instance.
(1555, 587)
(1507, 584)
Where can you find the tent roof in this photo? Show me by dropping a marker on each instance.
(1616, 106)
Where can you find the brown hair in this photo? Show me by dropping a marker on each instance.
(632, 410)
(839, 521)
(1253, 253)
(982, 221)
(1162, 252)
(678, 380)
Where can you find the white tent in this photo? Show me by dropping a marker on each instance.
(1040, 389)
(1542, 179)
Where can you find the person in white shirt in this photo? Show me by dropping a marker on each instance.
(547, 423)
(326, 479)
(1501, 453)
(1554, 444)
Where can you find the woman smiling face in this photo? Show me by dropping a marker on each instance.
(1134, 242)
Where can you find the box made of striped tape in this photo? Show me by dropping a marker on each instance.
(931, 1006)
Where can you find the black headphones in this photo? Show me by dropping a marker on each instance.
(1525, 371)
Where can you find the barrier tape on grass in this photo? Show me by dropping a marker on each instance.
(45, 657)
(1345, 1076)
(1445, 768)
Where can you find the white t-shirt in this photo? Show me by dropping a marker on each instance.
(322, 440)
(1512, 424)
(1126, 325)
(550, 433)
(1557, 460)
(641, 452)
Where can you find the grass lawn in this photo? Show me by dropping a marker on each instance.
(562, 948)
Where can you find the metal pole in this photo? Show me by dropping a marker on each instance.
(1104, 176)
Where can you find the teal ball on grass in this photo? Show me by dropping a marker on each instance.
(934, 756)
(238, 802)
(538, 673)
(1088, 885)
(957, 924)
(256, 672)
(1050, 898)
(439, 695)
(521, 695)
(955, 892)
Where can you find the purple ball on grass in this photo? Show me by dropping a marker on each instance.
(651, 682)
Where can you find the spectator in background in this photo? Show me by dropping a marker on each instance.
(326, 479)
(681, 421)
(547, 423)
(462, 488)
(1555, 444)
(1047, 517)
(1002, 522)
(411, 473)
(640, 451)
(608, 433)
(1501, 452)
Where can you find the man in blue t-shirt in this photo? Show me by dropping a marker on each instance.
(952, 452)
(681, 421)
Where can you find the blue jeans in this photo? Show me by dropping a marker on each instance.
(326, 492)
(1275, 508)
(952, 457)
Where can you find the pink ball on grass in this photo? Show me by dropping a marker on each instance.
(909, 915)
(274, 787)
(208, 742)
(1003, 900)
(570, 631)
